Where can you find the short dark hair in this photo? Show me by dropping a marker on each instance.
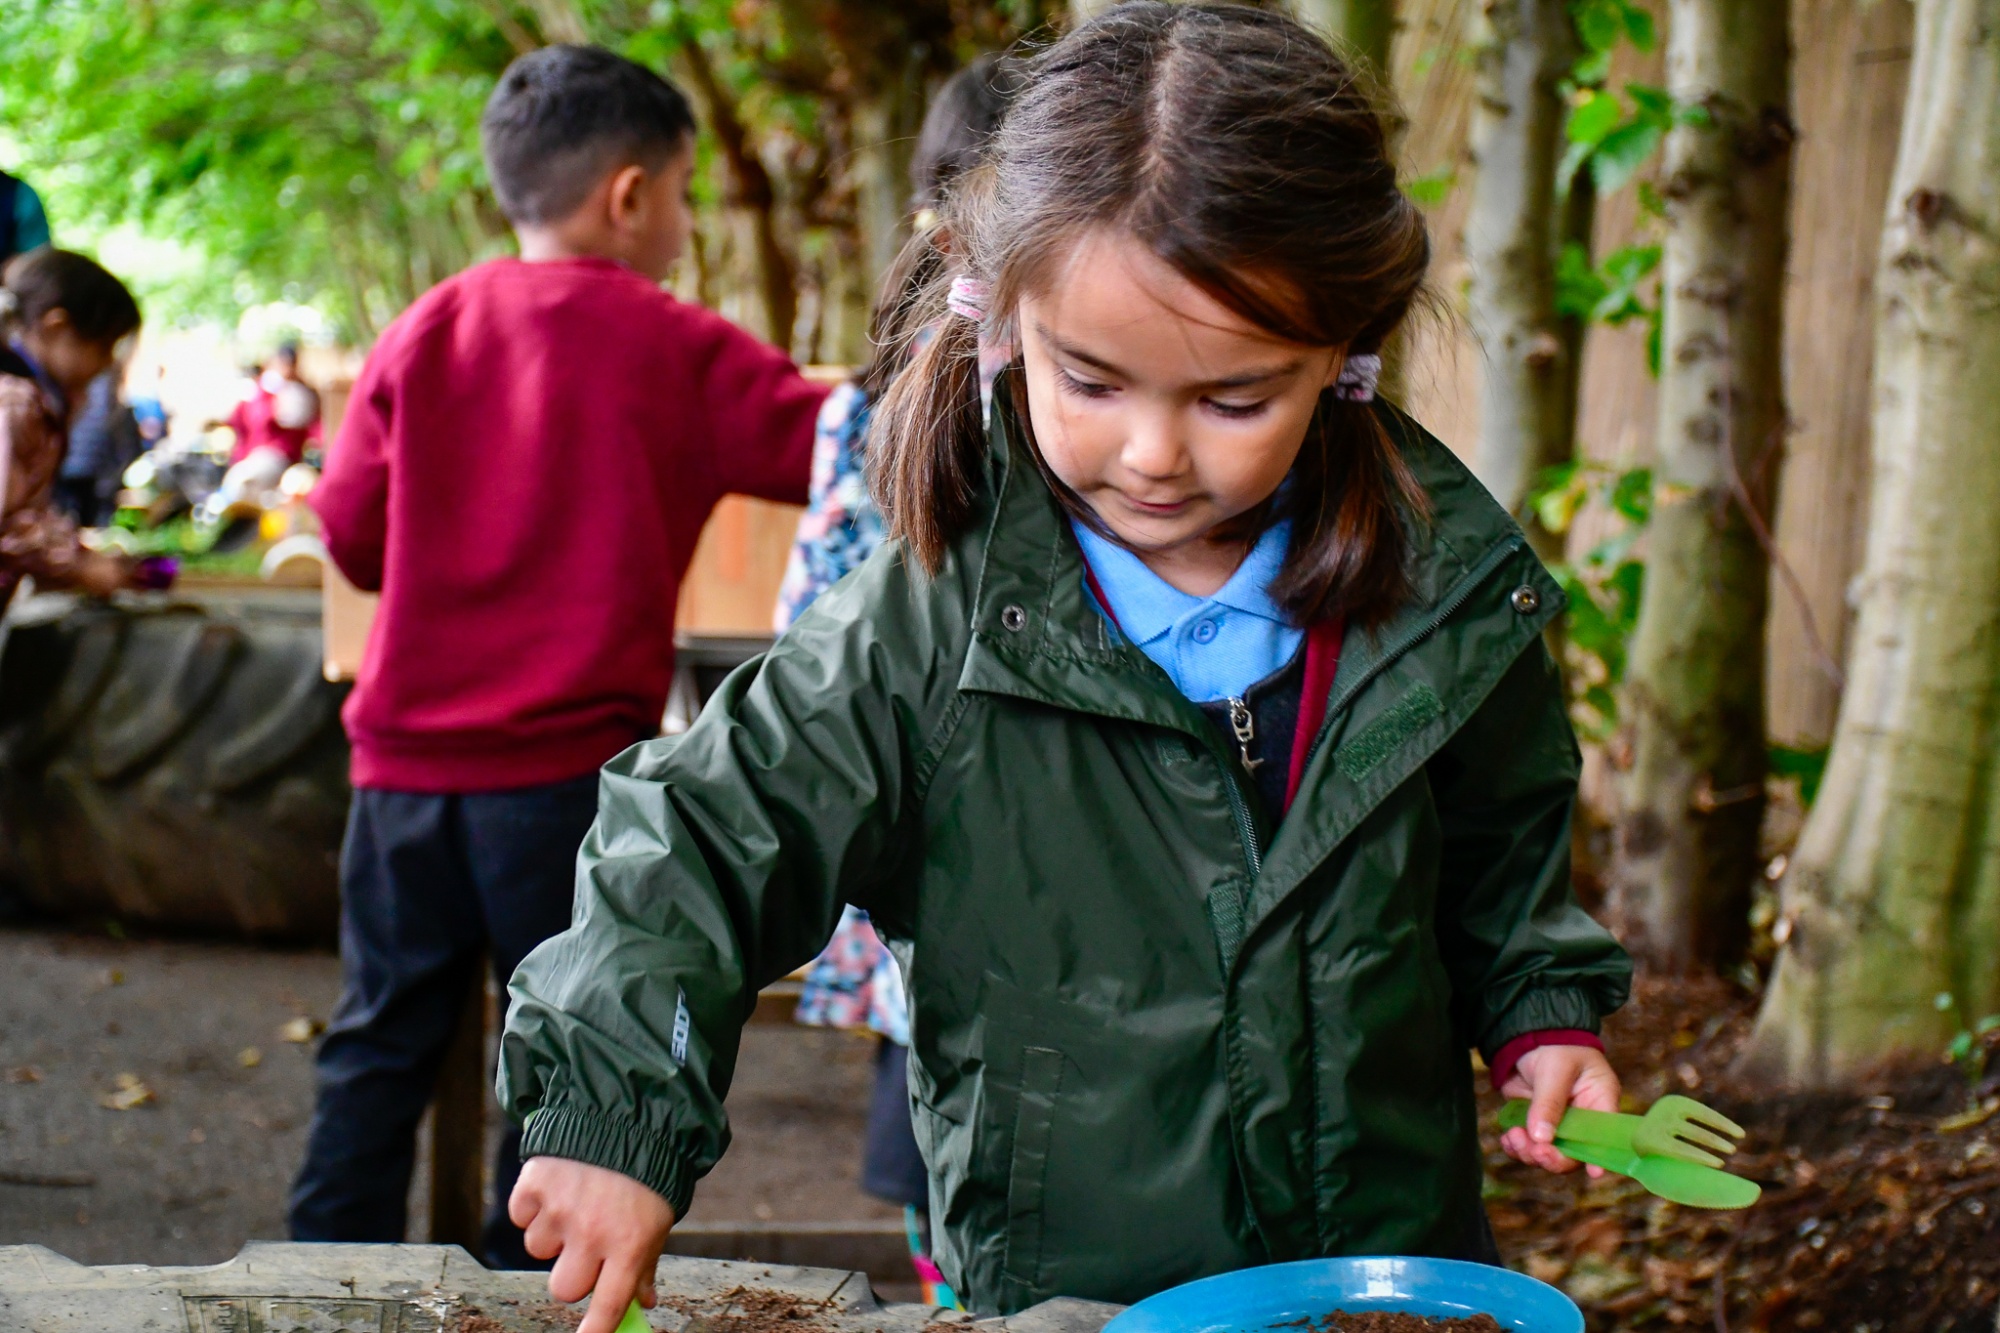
(99, 307)
(958, 124)
(563, 116)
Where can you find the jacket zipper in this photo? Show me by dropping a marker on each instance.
(1459, 596)
(1244, 725)
(1246, 827)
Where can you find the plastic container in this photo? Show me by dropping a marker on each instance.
(1254, 1300)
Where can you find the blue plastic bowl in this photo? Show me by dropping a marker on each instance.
(1253, 1300)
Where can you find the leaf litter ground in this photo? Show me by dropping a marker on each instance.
(1880, 1214)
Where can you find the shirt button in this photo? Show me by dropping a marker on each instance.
(1204, 631)
(1525, 600)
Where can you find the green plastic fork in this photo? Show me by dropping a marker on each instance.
(1670, 1178)
(1675, 1127)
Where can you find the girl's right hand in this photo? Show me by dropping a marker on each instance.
(607, 1227)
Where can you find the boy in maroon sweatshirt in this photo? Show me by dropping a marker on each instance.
(527, 460)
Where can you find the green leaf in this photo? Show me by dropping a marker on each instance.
(1808, 766)
(1990, 1023)
(1599, 23)
(1639, 27)
(1592, 69)
(1622, 152)
(1580, 289)
(1592, 115)
(1942, 1001)
(1651, 102)
(1632, 495)
(1431, 190)
(1961, 1046)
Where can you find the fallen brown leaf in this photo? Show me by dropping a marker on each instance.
(130, 1093)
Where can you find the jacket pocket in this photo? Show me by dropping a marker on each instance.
(1027, 1175)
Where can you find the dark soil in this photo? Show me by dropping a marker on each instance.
(1881, 1214)
(1394, 1321)
(750, 1310)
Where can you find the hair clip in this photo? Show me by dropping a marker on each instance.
(1358, 378)
(968, 298)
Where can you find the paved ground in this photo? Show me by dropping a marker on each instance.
(203, 1166)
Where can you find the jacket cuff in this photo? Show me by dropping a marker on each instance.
(1542, 1009)
(612, 1142)
(1510, 1055)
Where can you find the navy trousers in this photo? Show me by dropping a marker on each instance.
(428, 884)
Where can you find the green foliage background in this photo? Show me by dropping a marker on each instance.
(326, 151)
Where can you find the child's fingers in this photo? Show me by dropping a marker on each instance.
(543, 1237)
(1546, 1111)
(522, 1206)
(1517, 1145)
(616, 1285)
(575, 1275)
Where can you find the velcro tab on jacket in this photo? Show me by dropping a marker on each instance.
(1381, 738)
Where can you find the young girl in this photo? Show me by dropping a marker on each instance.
(1193, 743)
(62, 317)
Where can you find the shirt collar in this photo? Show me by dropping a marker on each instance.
(1147, 606)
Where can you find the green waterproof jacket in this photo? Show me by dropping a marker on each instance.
(1153, 1036)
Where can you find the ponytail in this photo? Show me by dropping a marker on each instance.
(928, 437)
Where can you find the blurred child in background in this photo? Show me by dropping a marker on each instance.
(62, 317)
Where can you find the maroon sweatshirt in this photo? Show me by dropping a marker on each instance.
(527, 460)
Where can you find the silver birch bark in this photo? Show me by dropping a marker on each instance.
(1365, 27)
(1686, 851)
(1893, 897)
(1527, 401)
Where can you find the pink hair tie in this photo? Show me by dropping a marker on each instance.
(1358, 378)
(968, 298)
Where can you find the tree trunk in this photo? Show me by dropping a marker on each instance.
(1686, 855)
(1894, 893)
(1365, 27)
(1528, 388)
(750, 194)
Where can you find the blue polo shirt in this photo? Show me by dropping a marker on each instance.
(1213, 647)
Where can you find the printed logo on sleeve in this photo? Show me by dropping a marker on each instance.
(681, 1025)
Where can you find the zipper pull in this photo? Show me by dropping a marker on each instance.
(1245, 726)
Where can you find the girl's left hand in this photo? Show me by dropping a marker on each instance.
(1554, 1078)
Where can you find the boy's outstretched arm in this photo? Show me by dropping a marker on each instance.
(352, 497)
(604, 1230)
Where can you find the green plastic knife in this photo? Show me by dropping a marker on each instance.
(635, 1321)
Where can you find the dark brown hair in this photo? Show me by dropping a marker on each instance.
(1241, 150)
(99, 307)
